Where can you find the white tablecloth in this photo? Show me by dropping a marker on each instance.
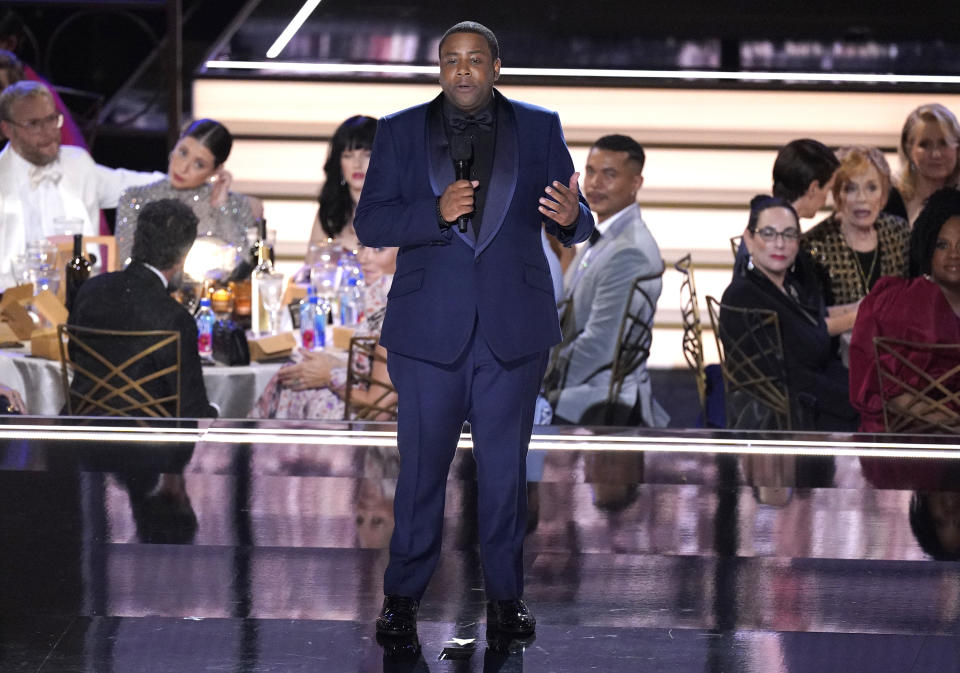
(234, 389)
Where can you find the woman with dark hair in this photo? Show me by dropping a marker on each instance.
(345, 170)
(924, 307)
(195, 176)
(779, 277)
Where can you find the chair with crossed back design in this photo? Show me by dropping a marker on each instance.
(929, 397)
(360, 365)
(757, 396)
(692, 331)
(120, 373)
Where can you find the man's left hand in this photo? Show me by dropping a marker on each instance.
(562, 203)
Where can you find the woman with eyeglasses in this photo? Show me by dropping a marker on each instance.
(858, 243)
(779, 277)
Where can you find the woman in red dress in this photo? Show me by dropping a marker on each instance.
(924, 307)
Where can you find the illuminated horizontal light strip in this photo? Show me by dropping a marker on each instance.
(574, 442)
(596, 73)
(292, 28)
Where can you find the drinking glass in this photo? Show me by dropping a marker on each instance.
(271, 294)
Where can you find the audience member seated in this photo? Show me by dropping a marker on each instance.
(138, 299)
(12, 70)
(10, 401)
(40, 180)
(928, 159)
(313, 388)
(344, 172)
(597, 285)
(858, 243)
(803, 174)
(196, 177)
(778, 277)
(925, 307)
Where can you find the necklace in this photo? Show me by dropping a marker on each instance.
(865, 277)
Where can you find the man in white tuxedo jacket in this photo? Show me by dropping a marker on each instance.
(597, 287)
(40, 180)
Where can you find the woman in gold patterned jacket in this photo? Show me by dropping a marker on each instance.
(857, 244)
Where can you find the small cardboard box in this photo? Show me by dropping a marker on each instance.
(50, 308)
(342, 336)
(44, 343)
(272, 347)
(7, 336)
(18, 319)
(16, 294)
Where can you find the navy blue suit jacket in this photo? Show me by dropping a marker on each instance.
(445, 280)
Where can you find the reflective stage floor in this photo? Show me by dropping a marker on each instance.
(228, 548)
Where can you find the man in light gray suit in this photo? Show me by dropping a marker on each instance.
(597, 287)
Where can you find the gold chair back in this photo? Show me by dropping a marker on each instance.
(756, 394)
(926, 402)
(115, 374)
(633, 340)
(692, 330)
(360, 366)
(735, 244)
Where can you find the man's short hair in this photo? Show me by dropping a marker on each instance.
(621, 143)
(20, 91)
(165, 231)
(799, 163)
(477, 28)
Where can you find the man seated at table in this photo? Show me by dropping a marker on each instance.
(41, 181)
(597, 288)
(138, 299)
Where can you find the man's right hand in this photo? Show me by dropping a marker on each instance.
(457, 199)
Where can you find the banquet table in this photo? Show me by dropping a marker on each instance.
(233, 389)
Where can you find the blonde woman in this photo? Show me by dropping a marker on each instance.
(928, 159)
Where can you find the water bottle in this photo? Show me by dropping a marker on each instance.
(312, 324)
(351, 303)
(205, 320)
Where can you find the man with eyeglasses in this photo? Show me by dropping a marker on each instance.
(41, 181)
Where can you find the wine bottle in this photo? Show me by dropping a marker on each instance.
(259, 320)
(77, 271)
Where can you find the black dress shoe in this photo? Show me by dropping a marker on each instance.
(398, 616)
(510, 617)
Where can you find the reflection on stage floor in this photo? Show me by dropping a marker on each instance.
(234, 547)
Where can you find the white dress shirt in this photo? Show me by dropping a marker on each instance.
(72, 186)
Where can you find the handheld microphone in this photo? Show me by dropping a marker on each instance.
(461, 151)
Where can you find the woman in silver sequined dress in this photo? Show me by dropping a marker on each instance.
(195, 176)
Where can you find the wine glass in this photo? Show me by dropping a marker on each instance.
(271, 294)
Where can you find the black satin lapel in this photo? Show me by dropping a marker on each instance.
(503, 178)
(438, 150)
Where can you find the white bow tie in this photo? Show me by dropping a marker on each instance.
(49, 172)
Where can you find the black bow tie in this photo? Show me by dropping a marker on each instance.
(459, 121)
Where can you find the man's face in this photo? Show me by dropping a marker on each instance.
(611, 182)
(467, 71)
(38, 145)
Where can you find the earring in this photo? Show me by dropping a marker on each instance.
(750, 266)
(343, 181)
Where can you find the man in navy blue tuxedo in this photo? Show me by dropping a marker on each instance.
(471, 314)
